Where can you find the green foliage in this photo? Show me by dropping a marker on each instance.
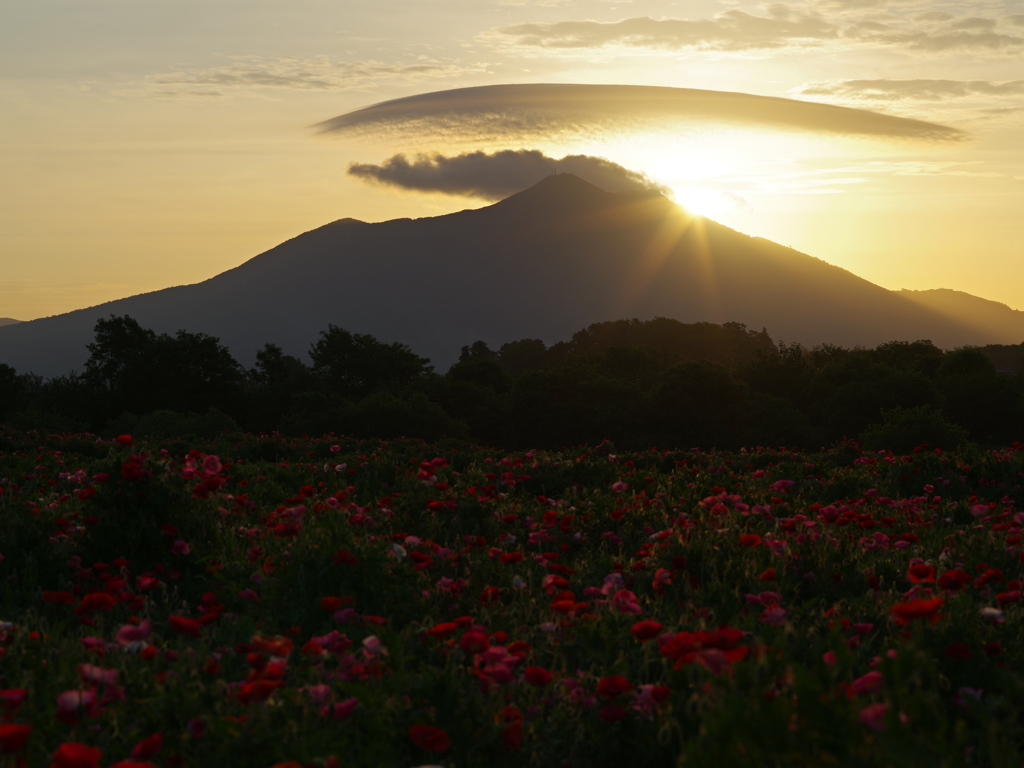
(356, 364)
(903, 429)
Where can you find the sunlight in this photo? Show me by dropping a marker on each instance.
(711, 203)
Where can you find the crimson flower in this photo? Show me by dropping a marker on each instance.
(906, 612)
(474, 642)
(148, 747)
(125, 440)
(613, 685)
(921, 572)
(71, 754)
(715, 650)
(537, 676)
(13, 737)
(441, 630)
(749, 540)
(185, 626)
(645, 630)
(954, 580)
(429, 737)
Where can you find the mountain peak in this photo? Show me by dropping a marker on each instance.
(561, 193)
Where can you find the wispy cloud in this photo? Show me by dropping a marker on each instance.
(782, 25)
(319, 73)
(498, 175)
(923, 90)
(556, 111)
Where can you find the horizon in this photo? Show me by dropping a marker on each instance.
(156, 147)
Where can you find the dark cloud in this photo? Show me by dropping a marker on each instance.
(925, 90)
(553, 111)
(498, 175)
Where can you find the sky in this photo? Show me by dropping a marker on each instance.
(151, 144)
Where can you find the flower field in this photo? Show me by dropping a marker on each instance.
(269, 602)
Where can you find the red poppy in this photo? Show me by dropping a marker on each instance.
(184, 626)
(767, 575)
(274, 646)
(490, 595)
(148, 747)
(95, 602)
(906, 612)
(715, 650)
(512, 735)
(613, 685)
(441, 630)
(74, 755)
(474, 642)
(10, 700)
(537, 676)
(131, 764)
(125, 440)
(429, 737)
(645, 630)
(954, 580)
(749, 540)
(511, 557)
(257, 690)
(922, 572)
(13, 736)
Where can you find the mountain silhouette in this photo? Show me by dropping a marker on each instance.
(8, 321)
(542, 263)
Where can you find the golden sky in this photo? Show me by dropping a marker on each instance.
(144, 145)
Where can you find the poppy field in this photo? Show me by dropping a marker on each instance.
(255, 600)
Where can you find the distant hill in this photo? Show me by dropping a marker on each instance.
(8, 321)
(543, 263)
(989, 318)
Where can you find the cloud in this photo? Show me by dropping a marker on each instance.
(733, 30)
(738, 32)
(924, 90)
(248, 73)
(498, 175)
(553, 111)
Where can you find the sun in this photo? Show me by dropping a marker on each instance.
(703, 201)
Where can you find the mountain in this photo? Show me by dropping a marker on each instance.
(543, 263)
(8, 321)
(989, 319)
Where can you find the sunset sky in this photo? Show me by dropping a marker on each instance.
(144, 145)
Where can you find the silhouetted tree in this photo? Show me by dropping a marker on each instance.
(355, 364)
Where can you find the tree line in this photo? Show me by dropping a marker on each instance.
(637, 383)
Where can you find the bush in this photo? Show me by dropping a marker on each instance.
(903, 429)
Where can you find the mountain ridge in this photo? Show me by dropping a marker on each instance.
(542, 263)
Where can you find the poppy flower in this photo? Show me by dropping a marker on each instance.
(869, 683)
(10, 700)
(74, 755)
(715, 650)
(71, 705)
(132, 764)
(873, 716)
(125, 440)
(512, 735)
(474, 642)
(767, 575)
(429, 737)
(921, 572)
(148, 747)
(954, 580)
(613, 685)
(13, 737)
(645, 630)
(749, 540)
(185, 626)
(490, 595)
(95, 602)
(442, 630)
(906, 612)
(537, 676)
(511, 557)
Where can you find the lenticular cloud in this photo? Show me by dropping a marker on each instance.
(552, 111)
(498, 175)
